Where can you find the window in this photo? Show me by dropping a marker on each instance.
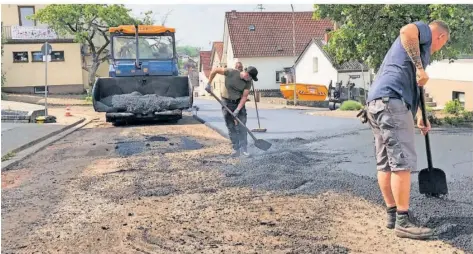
(150, 47)
(315, 65)
(40, 89)
(23, 13)
(57, 56)
(252, 27)
(279, 75)
(459, 96)
(20, 57)
(36, 56)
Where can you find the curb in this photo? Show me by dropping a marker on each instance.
(33, 147)
(223, 134)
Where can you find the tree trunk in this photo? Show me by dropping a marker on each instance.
(92, 71)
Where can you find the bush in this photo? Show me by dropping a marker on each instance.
(452, 120)
(453, 107)
(351, 105)
(467, 115)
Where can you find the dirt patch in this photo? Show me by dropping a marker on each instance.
(12, 179)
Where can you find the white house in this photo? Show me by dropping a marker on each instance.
(448, 81)
(215, 62)
(204, 71)
(264, 40)
(315, 66)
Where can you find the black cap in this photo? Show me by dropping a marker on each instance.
(253, 72)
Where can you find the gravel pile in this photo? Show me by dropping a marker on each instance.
(301, 166)
(138, 103)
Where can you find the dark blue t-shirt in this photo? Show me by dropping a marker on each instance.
(397, 75)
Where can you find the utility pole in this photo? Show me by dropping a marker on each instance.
(294, 54)
(260, 7)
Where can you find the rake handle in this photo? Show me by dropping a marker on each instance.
(256, 104)
(424, 119)
(231, 113)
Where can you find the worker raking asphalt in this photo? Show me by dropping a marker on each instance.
(301, 166)
(136, 102)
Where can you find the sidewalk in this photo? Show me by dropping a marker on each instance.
(19, 135)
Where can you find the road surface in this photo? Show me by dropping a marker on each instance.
(173, 189)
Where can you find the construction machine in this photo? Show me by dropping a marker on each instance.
(304, 92)
(144, 81)
(338, 94)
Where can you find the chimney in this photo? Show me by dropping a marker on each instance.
(327, 34)
(233, 14)
(335, 25)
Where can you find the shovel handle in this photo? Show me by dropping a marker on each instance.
(424, 119)
(231, 113)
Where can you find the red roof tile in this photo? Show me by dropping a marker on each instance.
(272, 31)
(218, 47)
(204, 62)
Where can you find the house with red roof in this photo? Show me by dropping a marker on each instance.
(204, 71)
(315, 66)
(265, 40)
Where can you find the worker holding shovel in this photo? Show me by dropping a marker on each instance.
(391, 105)
(234, 95)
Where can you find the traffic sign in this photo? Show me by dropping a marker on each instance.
(47, 58)
(46, 49)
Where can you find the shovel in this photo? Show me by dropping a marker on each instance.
(259, 143)
(259, 129)
(432, 181)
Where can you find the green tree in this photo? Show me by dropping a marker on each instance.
(188, 50)
(89, 24)
(366, 32)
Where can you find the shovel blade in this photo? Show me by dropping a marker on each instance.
(262, 144)
(432, 182)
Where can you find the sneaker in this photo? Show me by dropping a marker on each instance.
(244, 152)
(391, 217)
(406, 228)
(235, 154)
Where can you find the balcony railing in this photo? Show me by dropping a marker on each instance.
(25, 34)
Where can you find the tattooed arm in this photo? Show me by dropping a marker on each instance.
(412, 35)
(410, 42)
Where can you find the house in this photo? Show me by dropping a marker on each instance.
(22, 61)
(204, 71)
(449, 81)
(265, 40)
(315, 66)
(215, 62)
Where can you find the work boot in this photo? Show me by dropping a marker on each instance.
(244, 152)
(391, 217)
(406, 228)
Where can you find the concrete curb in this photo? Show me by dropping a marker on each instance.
(201, 120)
(33, 147)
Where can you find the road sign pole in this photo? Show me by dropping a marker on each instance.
(46, 83)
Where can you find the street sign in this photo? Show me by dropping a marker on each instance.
(47, 58)
(46, 49)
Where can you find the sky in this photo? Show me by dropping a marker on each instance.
(199, 25)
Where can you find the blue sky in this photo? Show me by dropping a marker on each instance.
(199, 25)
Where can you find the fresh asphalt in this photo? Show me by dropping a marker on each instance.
(313, 154)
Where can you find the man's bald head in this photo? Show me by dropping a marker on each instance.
(239, 66)
(440, 34)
